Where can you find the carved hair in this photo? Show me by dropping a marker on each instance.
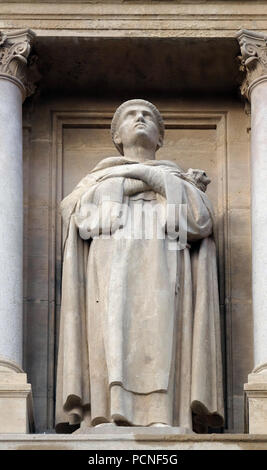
(124, 105)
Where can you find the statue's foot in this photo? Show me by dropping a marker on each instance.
(106, 425)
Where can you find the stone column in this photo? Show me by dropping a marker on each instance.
(15, 393)
(254, 63)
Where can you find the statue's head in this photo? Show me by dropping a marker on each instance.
(137, 122)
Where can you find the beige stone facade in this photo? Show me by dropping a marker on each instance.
(183, 56)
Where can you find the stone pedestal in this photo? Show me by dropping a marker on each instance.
(15, 393)
(256, 401)
(16, 411)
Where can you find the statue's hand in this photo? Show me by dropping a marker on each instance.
(133, 186)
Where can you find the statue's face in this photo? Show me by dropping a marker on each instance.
(138, 126)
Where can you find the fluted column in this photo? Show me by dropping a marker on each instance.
(254, 63)
(15, 392)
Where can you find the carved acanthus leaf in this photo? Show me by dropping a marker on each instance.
(15, 49)
(253, 57)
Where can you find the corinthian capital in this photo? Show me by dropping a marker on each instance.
(15, 48)
(253, 58)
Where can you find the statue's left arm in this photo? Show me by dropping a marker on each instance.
(199, 212)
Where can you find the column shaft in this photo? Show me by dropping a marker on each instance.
(253, 57)
(15, 47)
(11, 224)
(259, 218)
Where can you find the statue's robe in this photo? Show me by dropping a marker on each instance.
(140, 323)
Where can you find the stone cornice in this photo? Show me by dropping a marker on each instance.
(135, 18)
(253, 46)
(15, 48)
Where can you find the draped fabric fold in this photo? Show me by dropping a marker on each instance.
(140, 325)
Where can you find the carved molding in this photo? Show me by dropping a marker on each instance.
(253, 59)
(15, 63)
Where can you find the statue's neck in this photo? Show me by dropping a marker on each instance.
(139, 154)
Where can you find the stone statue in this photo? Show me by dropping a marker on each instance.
(139, 328)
